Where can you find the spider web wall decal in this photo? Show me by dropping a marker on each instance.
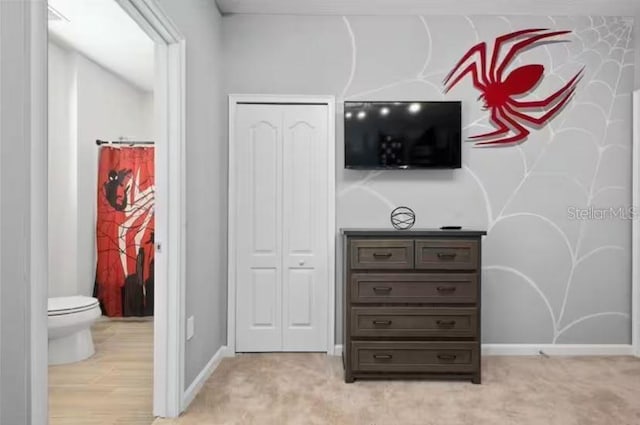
(558, 280)
(501, 94)
(594, 120)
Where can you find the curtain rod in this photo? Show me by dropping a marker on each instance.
(124, 142)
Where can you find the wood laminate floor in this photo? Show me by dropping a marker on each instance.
(115, 386)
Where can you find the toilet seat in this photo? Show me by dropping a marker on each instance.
(60, 306)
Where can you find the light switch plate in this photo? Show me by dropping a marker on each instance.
(191, 327)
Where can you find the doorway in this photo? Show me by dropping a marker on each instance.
(168, 134)
(101, 213)
(281, 223)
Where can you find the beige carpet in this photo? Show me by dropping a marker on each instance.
(307, 389)
(115, 386)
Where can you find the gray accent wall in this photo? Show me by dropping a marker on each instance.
(206, 175)
(548, 278)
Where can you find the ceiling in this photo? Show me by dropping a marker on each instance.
(433, 7)
(102, 31)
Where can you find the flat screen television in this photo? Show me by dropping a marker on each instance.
(402, 135)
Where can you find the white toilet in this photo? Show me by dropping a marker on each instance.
(70, 320)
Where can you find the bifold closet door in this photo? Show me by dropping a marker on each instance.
(281, 236)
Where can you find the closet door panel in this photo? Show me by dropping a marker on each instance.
(259, 243)
(305, 156)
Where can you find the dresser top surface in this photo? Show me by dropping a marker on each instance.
(464, 232)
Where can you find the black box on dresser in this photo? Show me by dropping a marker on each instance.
(411, 304)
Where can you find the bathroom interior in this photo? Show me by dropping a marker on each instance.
(101, 215)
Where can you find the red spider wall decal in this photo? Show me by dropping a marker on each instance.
(500, 94)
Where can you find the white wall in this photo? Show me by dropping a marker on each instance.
(206, 163)
(87, 102)
(63, 173)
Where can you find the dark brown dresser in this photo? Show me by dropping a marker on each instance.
(412, 304)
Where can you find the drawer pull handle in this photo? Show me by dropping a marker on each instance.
(382, 356)
(382, 322)
(447, 357)
(446, 289)
(446, 323)
(382, 255)
(386, 289)
(447, 255)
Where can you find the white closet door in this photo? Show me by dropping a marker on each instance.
(282, 254)
(259, 257)
(304, 305)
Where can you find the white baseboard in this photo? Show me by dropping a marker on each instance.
(197, 384)
(549, 349)
(337, 350)
(557, 349)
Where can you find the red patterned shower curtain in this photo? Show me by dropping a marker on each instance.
(125, 231)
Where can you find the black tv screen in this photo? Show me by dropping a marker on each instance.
(402, 135)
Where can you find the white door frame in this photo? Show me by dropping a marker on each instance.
(234, 99)
(38, 36)
(169, 102)
(635, 226)
(170, 90)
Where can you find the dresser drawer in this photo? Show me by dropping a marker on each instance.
(392, 322)
(381, 254)
(434, 254)
(414, 288)
(419, 356)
